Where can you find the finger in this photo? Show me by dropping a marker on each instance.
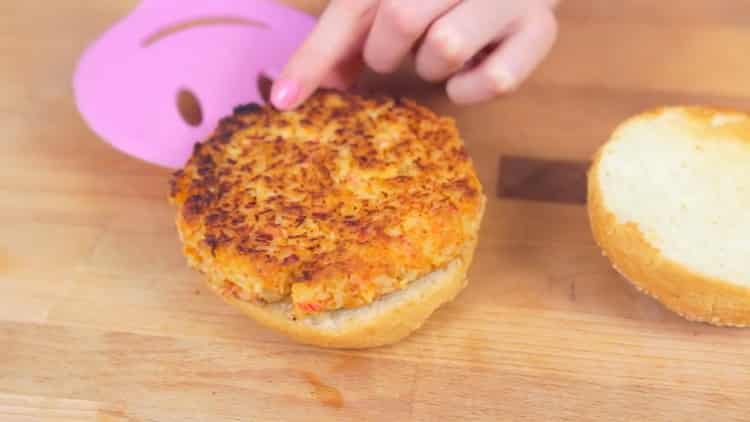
(512, 62)
(345, 74)
(398, 25)
(334, 39)
(461, 33)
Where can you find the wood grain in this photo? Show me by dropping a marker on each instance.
(100, 319)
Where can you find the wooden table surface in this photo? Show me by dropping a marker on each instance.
(101, 320)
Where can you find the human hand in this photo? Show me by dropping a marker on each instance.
(482, 48)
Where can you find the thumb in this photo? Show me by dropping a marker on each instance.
(339, 33)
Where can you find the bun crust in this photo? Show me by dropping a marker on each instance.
(693, 294)
(388, 320)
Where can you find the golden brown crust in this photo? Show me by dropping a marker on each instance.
(335, 204)
(701, 121)
(691, 295)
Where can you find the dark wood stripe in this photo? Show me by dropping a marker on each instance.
(542, 180)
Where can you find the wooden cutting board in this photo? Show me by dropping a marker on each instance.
(101, 320)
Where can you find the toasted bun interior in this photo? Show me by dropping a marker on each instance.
(669, 203)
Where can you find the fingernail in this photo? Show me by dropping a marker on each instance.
(285, 93)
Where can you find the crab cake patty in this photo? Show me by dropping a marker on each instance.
(328, 207)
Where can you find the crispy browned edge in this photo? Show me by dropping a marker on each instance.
(387, 328)
(691, 295)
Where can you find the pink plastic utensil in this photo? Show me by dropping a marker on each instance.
(158, 81)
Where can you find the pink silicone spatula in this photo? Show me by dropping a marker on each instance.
(132, 85)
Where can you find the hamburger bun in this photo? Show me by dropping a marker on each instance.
(344, 223)
(669, 204)
(384, 321)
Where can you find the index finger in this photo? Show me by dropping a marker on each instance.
(337, 35)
